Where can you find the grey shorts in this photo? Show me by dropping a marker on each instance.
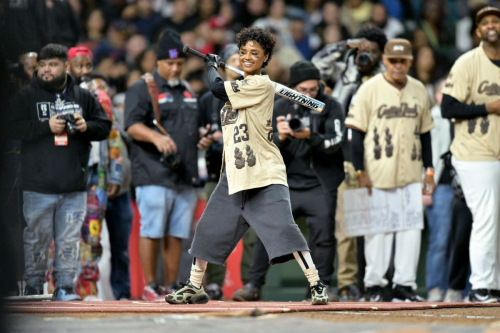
(227, 218)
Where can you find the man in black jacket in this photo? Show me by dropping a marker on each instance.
(55, 121)
(165, 192)
(310, 145)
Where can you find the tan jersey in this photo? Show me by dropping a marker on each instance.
(250, 156)
(474, 79)
(393, 120)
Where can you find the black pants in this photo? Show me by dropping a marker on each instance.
(119, 221)
(461, 227)
(318, 209)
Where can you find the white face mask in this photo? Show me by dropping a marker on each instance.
(173, 83)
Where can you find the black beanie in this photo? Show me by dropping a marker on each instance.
(302, 70)
(228, 51)
(169, 45)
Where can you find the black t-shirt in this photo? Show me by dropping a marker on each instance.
(180, 118)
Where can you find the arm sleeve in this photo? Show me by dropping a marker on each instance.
(249, 91)
(330, 142)
(216, 84)
(358, 149)
(20, 127)
(98, 123)
(451, 108)
(426, 122)
(425, 140)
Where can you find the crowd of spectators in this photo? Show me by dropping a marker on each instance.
(122, 34)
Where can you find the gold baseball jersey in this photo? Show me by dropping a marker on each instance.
(474, 79)
(393, 120)
(250, 156)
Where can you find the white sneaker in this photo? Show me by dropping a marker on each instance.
(435, 295)
(453, 296)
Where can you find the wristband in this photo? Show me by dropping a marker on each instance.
(429, 172)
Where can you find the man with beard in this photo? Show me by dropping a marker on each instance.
(471, 98)
(349, 64)
(55, 120)
(105, 178)
(161, 116)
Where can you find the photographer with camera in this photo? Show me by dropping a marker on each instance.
(54, 162)
(310, 144)
(162, 117)
(348, 64)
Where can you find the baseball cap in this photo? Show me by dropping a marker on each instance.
(79, 50)
(398, 48)
(487, 11)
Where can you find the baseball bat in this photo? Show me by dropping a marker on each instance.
(279, 89)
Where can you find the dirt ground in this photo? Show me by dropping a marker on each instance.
(455, 316)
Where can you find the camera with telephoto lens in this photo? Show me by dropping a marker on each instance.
(171, 160)
(364, 59)
(295, 124)
(71, 127)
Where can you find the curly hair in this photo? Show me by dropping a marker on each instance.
(373, 34)
(264, 37)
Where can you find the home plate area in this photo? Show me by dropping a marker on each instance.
(251, 317)
(252, 308)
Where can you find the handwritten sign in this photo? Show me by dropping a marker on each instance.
(383, 211)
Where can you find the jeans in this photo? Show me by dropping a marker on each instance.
(119, 221)
(439, 224)
(58, 217)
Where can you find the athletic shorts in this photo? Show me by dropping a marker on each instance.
(227, 218)
(165, 211)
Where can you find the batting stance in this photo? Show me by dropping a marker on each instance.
(471, 97)
(391, 123)
(252, 191)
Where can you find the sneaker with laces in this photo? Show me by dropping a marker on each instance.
(214, 292)
(249, 293)
(405, 294)
(153, 292)
(374, 294)
(481, 296)
(453, 296)
(319, 294)
(349, 293)
(187, 294)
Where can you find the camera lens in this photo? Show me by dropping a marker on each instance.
(295, 124)
(364, 59)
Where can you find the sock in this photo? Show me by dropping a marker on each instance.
(312, 275)
(306, 263)
(197, 272)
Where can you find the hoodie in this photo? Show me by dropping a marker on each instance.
(45, 167)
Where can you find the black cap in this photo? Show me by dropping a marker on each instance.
(228, 51)
(170, 45)
(302, 70)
